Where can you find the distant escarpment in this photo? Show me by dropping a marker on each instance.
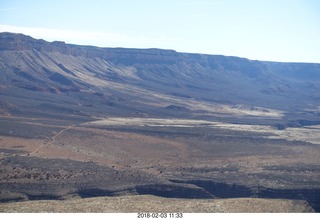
(85, 80)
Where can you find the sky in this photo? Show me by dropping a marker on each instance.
(269, 30)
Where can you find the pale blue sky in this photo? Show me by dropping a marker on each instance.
(275, 30)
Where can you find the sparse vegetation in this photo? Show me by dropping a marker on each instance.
(79, 121)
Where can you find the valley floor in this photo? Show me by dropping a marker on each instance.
(156, 164)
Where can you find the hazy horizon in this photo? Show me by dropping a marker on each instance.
(283, 31)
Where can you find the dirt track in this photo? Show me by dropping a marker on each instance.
(166, 161)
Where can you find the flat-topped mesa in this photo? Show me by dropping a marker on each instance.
(187, 81)
(131, 56)
(20, 42)
(123, 56)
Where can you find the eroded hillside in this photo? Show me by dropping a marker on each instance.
(43, 77)
(82, 121)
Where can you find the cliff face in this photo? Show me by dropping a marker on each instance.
(20, 42)
(93, 80)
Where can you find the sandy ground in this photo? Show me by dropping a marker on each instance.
(148, 203)
(247, 155)
(309, 134)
